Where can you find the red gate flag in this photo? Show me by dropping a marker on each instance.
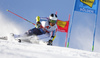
(62, 26)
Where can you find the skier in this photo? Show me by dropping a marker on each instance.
(47, 26)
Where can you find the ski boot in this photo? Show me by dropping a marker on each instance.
(50, 42)
(19, 40)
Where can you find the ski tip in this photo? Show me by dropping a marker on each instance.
(7, 9)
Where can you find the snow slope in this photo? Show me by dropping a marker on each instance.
(27, 50)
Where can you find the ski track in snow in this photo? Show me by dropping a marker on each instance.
(27, 50)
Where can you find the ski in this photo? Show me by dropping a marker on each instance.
(29, 39)
(3, 38)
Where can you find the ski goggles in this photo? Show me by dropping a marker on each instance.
(53, 21)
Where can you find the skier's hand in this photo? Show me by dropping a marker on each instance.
(52, 36)
(37, 19)
(38, 25)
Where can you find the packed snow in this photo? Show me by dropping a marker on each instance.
(10, 49)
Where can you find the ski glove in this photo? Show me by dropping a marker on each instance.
(52, 36)
(38, 25)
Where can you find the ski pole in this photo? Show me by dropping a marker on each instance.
(53, 38)
(20, 17)
(24, 19)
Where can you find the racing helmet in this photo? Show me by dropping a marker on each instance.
(53, 18)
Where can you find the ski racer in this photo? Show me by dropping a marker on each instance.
(45, 26)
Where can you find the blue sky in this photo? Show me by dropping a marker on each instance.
(83, 23)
